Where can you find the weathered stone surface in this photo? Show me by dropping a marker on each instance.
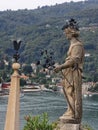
(12, 116)
(67, 126)
(70, 127)
(69, 120)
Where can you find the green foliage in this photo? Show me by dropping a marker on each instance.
(27, 69)
(38, 123)
(22, 82)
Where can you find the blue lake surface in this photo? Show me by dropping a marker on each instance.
(54, 104)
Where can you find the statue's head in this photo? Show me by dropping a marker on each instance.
(71, 29)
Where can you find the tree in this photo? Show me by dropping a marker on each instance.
(27, 69)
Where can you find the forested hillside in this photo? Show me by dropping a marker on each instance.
(41, 29)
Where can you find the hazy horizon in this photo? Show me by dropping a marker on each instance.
(29, 4)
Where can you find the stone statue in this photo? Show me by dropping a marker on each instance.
(72, 73)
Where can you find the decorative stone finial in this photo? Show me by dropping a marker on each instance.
(16, 66)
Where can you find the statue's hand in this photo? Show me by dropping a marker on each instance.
(57, 69)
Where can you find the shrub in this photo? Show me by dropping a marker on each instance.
(38, 123)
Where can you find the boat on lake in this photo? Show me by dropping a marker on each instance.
(30, 89)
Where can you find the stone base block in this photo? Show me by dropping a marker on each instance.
(67, 126)
(70, 127)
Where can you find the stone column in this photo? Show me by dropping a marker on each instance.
(12, 116)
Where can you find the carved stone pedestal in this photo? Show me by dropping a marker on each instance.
(67, 126)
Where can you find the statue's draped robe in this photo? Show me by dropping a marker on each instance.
(73, 79)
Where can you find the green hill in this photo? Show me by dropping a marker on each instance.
(41, 29)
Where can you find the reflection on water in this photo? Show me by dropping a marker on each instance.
(54, 104)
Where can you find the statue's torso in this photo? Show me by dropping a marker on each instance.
(76, 55)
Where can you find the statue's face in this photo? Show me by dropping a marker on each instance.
(68, 34)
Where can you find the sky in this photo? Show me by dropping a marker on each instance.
(28, 4)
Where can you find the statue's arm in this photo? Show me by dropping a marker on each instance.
(75, 57)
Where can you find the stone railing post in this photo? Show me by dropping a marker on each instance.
(12, 116)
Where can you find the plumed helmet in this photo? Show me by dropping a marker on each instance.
(71, 24)
(72, 27)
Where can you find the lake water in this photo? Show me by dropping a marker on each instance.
(54, 104)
